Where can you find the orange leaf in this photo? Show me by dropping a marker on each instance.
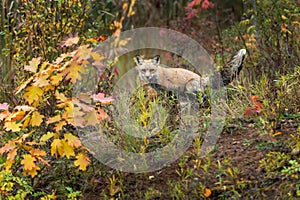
(4, 114)
(36, 119)
(28, 162)
(53, 119)
(41, 81)
(59, 125)
(33, 65)
(37, 152)
(82, 161)
(102, 115)
(32, 172)
(207, 192)
(11, 155)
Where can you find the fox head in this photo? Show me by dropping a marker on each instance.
(148, 68)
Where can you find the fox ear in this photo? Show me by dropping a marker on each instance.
(156, 60)
(138, 60)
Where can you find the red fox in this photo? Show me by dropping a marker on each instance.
(183, 80)
(172, 79)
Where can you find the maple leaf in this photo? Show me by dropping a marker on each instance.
(72, 140)
(84, 52)
(46, 137)
(56, 146)
(16, 116)
(12, 153)
(36, 118)
(59, 125)
(4, 106)
(53, 119)
(56, 79)
(70, 40)
(7, 147)
(33, 65)
(23, 85)
(100, 97)
(73, 71)
(37, 152)
(67, 148)
(28, 162)
(82, 161)
(33, 93)
(24, 108)
(12, 126)
(102, 115)
(41, 81)
(32, 172)
(4, 114)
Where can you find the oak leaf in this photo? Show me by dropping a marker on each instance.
(82, 161)
(72, 140)
(33, 93)
(28, 162)
(36, 118)
(12, 126)
(33, 65)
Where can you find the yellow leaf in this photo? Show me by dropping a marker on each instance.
(28, 162)
(36, 118)
(32, 172)
(46, 137)
(72, 140)
(53, 119)
(12, 126)
(73, 71)
(59, 125)
(67, 148)
(56, 146)
(84, 52)
(82, 161)
(33, 65)
(33, 93)
(41, 81)
(37, 152)
(56, 79)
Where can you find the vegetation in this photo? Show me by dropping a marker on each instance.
(48, 49)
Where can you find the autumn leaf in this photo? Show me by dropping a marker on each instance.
(101, 115)
(53, 119)
(32, 172)
(70, 41)
(28, 162)
(4, 114)
(33, 93)
(91, 118)
(24, 108)
(41, 81)
(84, 52)
(12, 126)
(100, 97)
(46, 137)
(11, 154)
(7, 147)
(4, 106)
(37, 152)
(72, 140)
(82, 161)
(33, 65)
(56, 146)
(36, 118)
(56, 79)
(73, 71)
(68, 150)
(23, 85)
(207, 192)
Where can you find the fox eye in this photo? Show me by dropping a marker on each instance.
(152, 70)
(143, 71)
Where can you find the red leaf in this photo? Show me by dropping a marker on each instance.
(100, 97)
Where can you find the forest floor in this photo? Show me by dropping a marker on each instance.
(244, 146)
